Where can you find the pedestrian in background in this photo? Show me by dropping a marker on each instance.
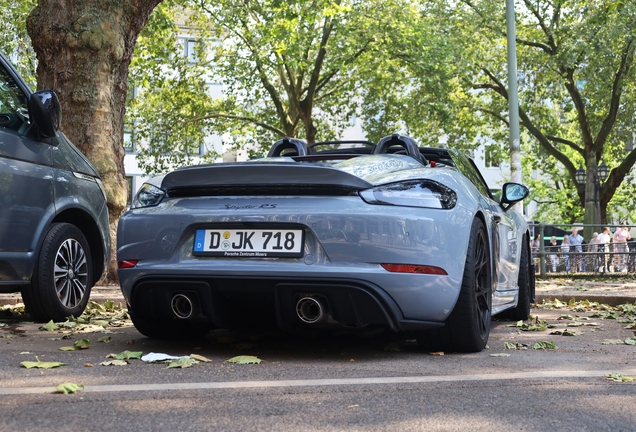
(593, 246)
(576, 241)
(552, 250)
(621, 236)
(565, 247)
(604, 239)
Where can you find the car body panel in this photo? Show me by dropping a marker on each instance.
(346, 238)
(40, 184)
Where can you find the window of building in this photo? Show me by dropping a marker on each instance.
(129, 179)
(492, 157)
(190, 50)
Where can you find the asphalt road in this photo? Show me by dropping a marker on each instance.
(340, 381)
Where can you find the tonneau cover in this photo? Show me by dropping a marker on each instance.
(261, 174)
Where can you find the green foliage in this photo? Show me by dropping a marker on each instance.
(576, 91)
(167, 93)
(288, 68)
(14, 40)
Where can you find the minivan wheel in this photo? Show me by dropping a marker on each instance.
(62, 279)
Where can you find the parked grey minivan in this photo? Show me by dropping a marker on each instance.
(54, 233)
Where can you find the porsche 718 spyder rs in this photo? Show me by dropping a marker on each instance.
(328, 235)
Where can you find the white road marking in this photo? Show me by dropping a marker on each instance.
(324, 382)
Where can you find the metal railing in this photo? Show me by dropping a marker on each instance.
(583, 259)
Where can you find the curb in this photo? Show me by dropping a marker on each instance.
(98, 294)
(610, 300)
(103, 294)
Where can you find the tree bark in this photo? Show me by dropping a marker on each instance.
(84, 48)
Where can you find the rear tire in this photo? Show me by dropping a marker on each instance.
(170, 328)
(63, 276)
(468, 326)
(526, 285)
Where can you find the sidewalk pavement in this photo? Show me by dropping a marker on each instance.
(611, 292)
(99, 294)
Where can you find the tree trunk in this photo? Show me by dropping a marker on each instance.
(84, 48)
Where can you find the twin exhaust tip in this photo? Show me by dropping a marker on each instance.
(311, 310)
(182, 306)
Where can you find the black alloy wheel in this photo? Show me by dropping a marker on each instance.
(468, 326)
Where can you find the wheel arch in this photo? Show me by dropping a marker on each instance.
(85, 223)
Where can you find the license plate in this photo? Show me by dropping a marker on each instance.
(249, 243)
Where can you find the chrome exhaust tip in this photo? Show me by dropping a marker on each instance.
(311, 310)
(182, 306)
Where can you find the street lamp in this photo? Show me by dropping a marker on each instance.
(602, 172)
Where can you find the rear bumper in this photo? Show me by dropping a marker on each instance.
(228, 301)
(345, 243)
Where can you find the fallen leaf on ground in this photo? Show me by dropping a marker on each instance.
(244, 360)
(105, 339)
(565, 332)
(69, 388)
(200, 358)
(613, 342)
(41, 365)
(182, 363)
(126, 355)
(544, 345)
(50, 326)
(619, 377)
(515, 346)
(437, 353)
(77, 345)
(500, 355)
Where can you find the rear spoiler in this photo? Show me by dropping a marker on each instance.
(261, 174)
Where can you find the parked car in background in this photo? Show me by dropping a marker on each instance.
(330, 235)
(54, 233)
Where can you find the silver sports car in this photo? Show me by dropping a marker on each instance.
(337, 234)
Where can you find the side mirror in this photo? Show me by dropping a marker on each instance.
(45, 112)
(512, 193)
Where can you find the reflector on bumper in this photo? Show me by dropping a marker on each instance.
(411, 268)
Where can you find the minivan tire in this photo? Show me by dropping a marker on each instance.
(63, 277)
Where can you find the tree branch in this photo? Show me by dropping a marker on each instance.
(627, 58)
(245, 119)
(530, 127)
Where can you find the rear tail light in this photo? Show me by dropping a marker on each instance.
(412, 193)
(411, 268)
(125, 264)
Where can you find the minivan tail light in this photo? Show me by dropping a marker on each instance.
(125, 264)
